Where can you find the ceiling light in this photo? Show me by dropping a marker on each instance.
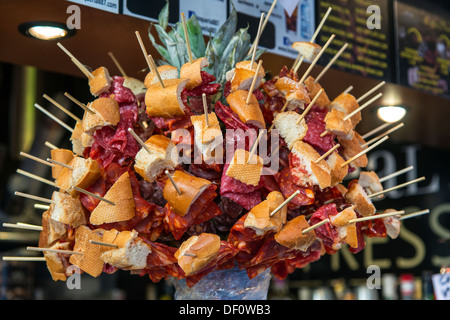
(46, 30)
(391, 113)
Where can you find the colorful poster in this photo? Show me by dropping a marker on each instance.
(423, 42)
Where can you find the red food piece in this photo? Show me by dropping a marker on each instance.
(288, 187)
(315, 119)
(326, 232)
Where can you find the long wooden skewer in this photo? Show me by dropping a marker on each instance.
(11, 258)
(310, 105)
(144, 51)
(139, 140)
(187, 254)
(351, 114)
(300, 57)
(205, 109)
(60, 107)
(54, 250)
(311, 66)
(364, 151)
(252, 87)
(29, 156)
(23, 226)
(53, 117)
(50, 145)
(350, 88)
(173, 182)
(186, 37)
(379, 128)
(394, 174)
(116, 62)
(285, 202)
(377, 216)
(368, 93)
(255, 146)
(41, 206)
(79, 103)
(396, 187)
(255, 43)
(336, 56)
(59, 163)
(33, 197)
(35, 177)
(382, 135)
(76, 61)
(101, 243)
(326, 154)
(155, 69)
(414, 214)
(266, 20)
(321, 223)
(94, 195)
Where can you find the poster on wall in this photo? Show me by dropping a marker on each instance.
(365, 26)
(290, 21)
(423, 42)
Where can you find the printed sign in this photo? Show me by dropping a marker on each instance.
(105, 5)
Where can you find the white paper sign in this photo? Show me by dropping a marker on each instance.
(289, 5)
(441, 286)
(211, 14)
(105, 5)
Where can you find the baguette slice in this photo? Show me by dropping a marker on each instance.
(54, 260)
(90, 261)
(67, 209)
(101, 82)
(166, 102)
(52, 231)
(371, 183)
(192, 71)
(335, 123)
(291, 235)
(346, 230)
(309, 50)
(207, 138)
(313, 88)
(106, 114)
(240, 168)
(358, 197)
(290, 131)
(248, 113)
(121, 195)
(338, 173)
(60, 155)
(84, 172)
(294, 93)
(241, 77)
(165, 72)
(347, 103)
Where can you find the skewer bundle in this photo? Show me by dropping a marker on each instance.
(147, 189)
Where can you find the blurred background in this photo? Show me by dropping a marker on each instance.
(408, 47)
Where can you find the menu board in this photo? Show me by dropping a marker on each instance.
(367, 32)
(423, 41)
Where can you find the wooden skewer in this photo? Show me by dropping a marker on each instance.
(41, 206)
(382, 135)
(79, 103)
(23, 226)
(300, 58)
(186, 37)
(252, 87)
(396, 187)
(310, 105)
(60, 107)
(78, 63)
(281, 111)
(38, 259)
(311, 66)
(53, 117)
(187, 254)
(315, 226)
(392, 175)
(326, 154)
(255, 43)
(139, 140)
(336, 56)
(205, 109)
(103, 244)
(54, 250)
(173, 182)
(35, 177)
(152, 62)
(144, 51)
(364, 151)
(350, 88)
(30, 196)
(117, 64)
(285, 202)
(266, 20)
(414, 214)
(29, 156)
(368, 93)
(372, 132)
(50, 145)
(255, 146)
(377, 216)
(94, 195)
(59, 163)
(351, 114)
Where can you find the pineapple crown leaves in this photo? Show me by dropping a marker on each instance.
(223, 50)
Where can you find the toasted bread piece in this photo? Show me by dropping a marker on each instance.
(313, 88)
(346, 230)
(90, 261)
(166, 102)
(245, 170)
(55, 264)
(248, 113)
(121, 195)
(294, 93)
(106, 114)
(347, 103)
(60, 155)
(291, 235)
(350, 148)
(101, 82)
(76, 139)
(52, 231)
(207, 138)
(84, 172)
(67, 209)
(165, 71)
(309, 50)
(371, 183)
(290, 131)
(392, 223)
(335, 123)
(192, 71)
(358, 197)
(338, 173)
(242, 76)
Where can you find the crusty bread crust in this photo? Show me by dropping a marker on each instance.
(192, 71)
(60, 155)
(335, 123)
(291, 235)
(313, 88)
(243, 74)
(67, 209)
(248, 173)
(250, 113)
(338, 173)
(121, 195)
(309, 50)
(350, 148)
(165, 71)
(295, 93)
(51, 230)
(358, 197)
(290, 131)
(106, 114)
(90, 261)
(203, 249)
(347, 103)
(54, 263)
(101, 82)
(165, 102)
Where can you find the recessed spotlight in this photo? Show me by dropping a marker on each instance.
(391, 113)
(45, 30)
